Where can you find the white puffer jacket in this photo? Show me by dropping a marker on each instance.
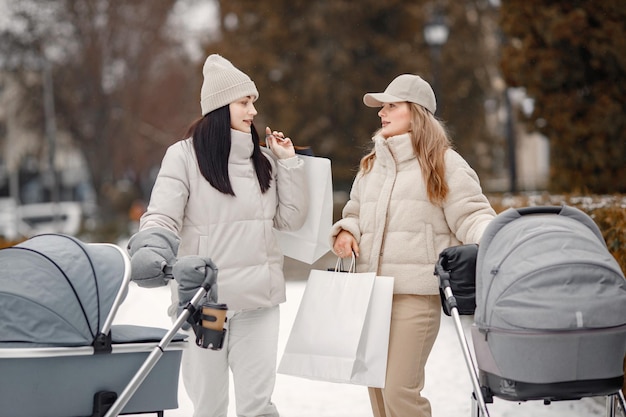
(237, 233)
(400, 232)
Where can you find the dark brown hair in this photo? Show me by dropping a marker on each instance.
(211, 141)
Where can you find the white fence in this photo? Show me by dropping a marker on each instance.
(31, 219)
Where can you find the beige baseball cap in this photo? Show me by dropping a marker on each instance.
(405, 87)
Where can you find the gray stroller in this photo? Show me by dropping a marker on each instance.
(549, 309)
(60, 354)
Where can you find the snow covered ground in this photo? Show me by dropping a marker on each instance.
(448, 384)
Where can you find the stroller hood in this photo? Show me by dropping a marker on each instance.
(58, 291)
(547, 269)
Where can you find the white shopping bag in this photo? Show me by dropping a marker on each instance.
(341, 331)
(310, 242)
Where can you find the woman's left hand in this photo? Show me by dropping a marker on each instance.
(279, 144)
(345, 245)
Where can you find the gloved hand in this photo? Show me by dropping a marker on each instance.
(150, 251)
(191, 272)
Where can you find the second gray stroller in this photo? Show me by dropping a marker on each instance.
(550, 318)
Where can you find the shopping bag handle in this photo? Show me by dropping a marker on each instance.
(339, 264)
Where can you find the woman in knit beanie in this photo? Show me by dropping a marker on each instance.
(222, 195)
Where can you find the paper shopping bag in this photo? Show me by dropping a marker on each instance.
(341, 330)
(310, 242)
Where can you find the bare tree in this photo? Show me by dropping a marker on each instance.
(122, 87)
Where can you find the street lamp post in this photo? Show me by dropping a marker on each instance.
(50, 126)
(436, 33)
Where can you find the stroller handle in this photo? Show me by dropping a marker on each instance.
(167, 272)
(540, 210)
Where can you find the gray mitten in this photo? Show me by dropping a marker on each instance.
(190, 273)
(150, 251)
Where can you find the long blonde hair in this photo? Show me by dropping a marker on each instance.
(430, 141)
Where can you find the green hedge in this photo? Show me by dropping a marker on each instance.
(8, 243)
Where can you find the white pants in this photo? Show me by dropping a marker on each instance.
(250, 349)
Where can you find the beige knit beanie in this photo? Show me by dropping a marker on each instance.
(223, 84)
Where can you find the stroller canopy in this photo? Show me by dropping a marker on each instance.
(57, 291)
(547, 268)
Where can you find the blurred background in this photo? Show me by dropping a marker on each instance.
(92, 92)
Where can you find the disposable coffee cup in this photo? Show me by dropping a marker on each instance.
(214, 316)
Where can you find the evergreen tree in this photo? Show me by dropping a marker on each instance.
(569, 56)
(313, 61)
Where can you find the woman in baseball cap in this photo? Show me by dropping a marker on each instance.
(413, 197)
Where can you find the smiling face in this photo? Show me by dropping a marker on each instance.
(242, 114)
(395, 119)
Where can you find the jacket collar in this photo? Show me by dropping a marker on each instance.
(241, 147)
(397, 148)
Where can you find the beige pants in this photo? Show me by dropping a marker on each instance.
(414, 327)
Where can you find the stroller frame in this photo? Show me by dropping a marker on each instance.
(77, 371)
(481, 396)
(190, 309)
(122, 390)
(482, 393)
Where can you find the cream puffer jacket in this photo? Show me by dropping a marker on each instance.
(237, 233)
(399, 231)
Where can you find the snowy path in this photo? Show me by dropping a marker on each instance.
(448, 385)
